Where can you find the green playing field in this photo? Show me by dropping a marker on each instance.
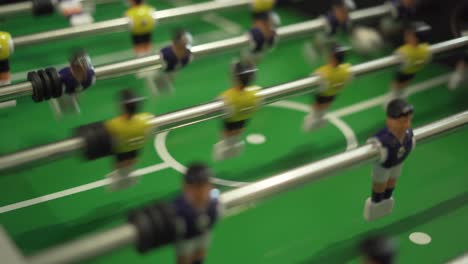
(316, 223)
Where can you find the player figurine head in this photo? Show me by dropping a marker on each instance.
(399, 116)
(408, 4)
(129, 103)
(337, 54)
(415, 33)
(197, 185)
(81, 67)
(340, 11)
(182, 39)
(244, 73)
(378, 250)
(135, 2)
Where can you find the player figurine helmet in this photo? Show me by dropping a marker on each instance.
(198, 174)
(379, 250)
(398, 108)
(244, 72)
(183, 37)
(338, 52)
(129, 101)
(348, 4)
(420, 29)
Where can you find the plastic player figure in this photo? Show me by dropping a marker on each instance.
(77, 77)
(129, 132)
(174, 57)
(6, 50)
(336, 21)
(197, 213)
(75, 12)
(414, 55)
(338, 17)
(334, 76)
(403, 10)
(461, 73)
(242, 103)
(395, 143)
(141, 25)
(378, 250)
(262, 35)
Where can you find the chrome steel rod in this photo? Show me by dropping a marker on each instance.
(460, 260)
(323, 168)
(11, 9)
(151, 62)
(46, 152)
(87, 247)
(94, 245)
(216, 108)
(121, 24)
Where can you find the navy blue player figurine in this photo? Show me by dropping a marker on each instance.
(76, 77)
(197, 212)
(395, 143)
(262, 35)
(402, 12)
(336, 20)
(173, 57)
(378, 250)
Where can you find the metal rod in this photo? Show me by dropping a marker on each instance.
(87, 247)
(14, 91)
(460, 260)
(47, 152)
(322, 168)
(154, 61)
(121, 24)
(216, 108)
(12, 9)
(94, 245)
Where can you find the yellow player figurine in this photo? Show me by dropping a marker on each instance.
(334, 76)
(129, 132)
(141, 25)
(414, 55)
(6, 50)
(242, 102)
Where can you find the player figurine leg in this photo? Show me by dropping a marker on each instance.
(394, 142)
(231, 144)
(381, 203)
(316, 119)
(129, 132)
(75, 12)
(197, 212)
(460, 75)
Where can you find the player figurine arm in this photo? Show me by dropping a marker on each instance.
(383, 152)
